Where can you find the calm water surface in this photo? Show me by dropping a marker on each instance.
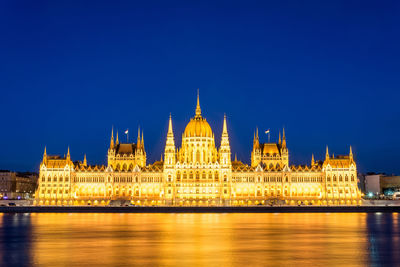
(200, 239)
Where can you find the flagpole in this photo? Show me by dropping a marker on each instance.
(127, 136)
(269, 136)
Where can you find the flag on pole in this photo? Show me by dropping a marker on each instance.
(267, 131)
(126, 132)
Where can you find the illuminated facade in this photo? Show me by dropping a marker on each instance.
(198, 173)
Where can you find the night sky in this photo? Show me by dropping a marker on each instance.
(327, 71)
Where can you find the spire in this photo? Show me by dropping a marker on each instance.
(68, 155)
(170, 125)
(312, 160)
(170, 135)
(351, 153)
(235, 157)
(327, 153)
(45, 156)
(84, 160)
(224, 128)
(198, 109)
(257, 132)
(138, 137)
(283, 138)
(256, 140)
(112, 138)
(225, 148)
(225, 136)
(116, 141)
(280, 140)
(142, 141)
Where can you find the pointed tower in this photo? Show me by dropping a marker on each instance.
(45, 156)
(84, 161)
(256, 153)
(138, 138)
(112, 138)
(280, 140)
(283, 139)
(312, 160)
(351, 153)
(284, 149)
(169, 153)
(117, 141)
(142, 142)
(198, 109)
(68, 155)
(327, 153)
(225, 149)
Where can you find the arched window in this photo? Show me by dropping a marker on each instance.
(346, 178)
(334, 178)
(328, 178)
(178, 176)
(216, 177)
(204, 177)
(191, 175)
(55, 179)
(340, 178)
(184, 176)
(352, 178)
(210, 175)
(197, 176)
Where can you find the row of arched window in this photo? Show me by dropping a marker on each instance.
(334, 178)
(55, 179)
(184, 176)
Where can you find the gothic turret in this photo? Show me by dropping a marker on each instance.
(142, 142)
(327, 153)
(169, 153)
(45, 156)
(351, 153)
(138, 138)
(225, 150)
(112, 138)
(283, 139)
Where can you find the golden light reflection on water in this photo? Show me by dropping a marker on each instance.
(206, 239)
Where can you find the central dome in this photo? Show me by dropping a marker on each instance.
(198, 126)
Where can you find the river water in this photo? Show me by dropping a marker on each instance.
(304, 239)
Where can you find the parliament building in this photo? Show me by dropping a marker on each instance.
(198, 174)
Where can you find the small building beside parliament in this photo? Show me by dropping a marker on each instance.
(198, 174)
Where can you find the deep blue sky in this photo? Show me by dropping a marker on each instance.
(328, 71)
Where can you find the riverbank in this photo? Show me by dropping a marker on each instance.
(252, 209)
